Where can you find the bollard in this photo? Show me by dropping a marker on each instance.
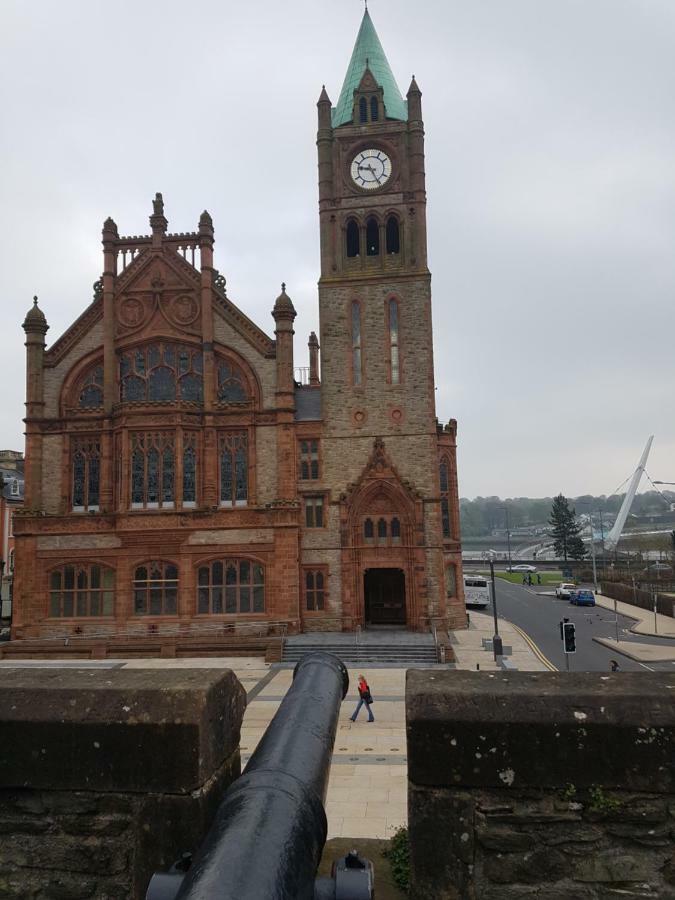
(270, 829)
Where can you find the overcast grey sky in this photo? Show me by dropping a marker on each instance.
(550, 177)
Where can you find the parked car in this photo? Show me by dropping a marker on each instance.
(523, 568)
(564, 590)
(582, 598)
(658, 569)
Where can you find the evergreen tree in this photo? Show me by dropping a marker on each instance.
(565, 530)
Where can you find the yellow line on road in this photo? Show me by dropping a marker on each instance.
(533, 647)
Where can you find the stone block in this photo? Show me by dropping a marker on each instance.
(114, 728)
(548, 729)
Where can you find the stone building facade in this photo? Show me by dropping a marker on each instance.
(11, 499)
(177, 474)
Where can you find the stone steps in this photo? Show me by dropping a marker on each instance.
(374, 652)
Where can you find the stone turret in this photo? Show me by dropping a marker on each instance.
(284, 314)
(313, 345)
(36, 327)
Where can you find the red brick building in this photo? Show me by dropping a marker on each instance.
(177, 474)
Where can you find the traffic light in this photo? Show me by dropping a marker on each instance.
(569, 638)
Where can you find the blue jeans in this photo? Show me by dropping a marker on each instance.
(371, 717)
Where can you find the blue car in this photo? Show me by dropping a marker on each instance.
(583, 598)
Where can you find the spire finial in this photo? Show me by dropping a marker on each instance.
(283, 287)
(35, 299)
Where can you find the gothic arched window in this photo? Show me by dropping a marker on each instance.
(395, 530)
(368, 530)
(353, 239)
(394, 355)
(356, 343)
(445, 497)
(373, 109)
(156, 589)
(161, 373)
(393, 237)
(189, 469)
(382, 529)
(85, 589)
(314, 589)
(234, 468)
(372, 237)
(231, 586)
(152, 470)
(363, 110)
(86, 469)
(231, 384)
(91, 390)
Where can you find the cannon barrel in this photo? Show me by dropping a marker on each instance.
(270, 829)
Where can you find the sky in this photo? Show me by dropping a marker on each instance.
(550, 140)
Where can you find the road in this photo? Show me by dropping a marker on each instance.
(539, 616)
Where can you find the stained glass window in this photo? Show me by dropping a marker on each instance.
(91, 389)
(81, 590)
(86, 473)
(231, 586)
(231, 384)
(234, 468)
(189, 469)
(156, 589)
(309, 460)
(161, 373)
(393, 343)
(314, 589)
(356, 342)
(445, 498)
(152, 470)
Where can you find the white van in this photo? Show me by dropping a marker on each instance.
(476, 591)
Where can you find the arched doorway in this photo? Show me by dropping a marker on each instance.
(384, 597)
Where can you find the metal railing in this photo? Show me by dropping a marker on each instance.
(270, 829)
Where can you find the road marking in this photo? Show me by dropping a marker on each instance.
(537, 652)
(647, 668)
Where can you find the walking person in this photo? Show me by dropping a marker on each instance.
(613, 665)
(364, 697)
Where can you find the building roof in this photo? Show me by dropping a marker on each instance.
(307, 404)
(368, 52)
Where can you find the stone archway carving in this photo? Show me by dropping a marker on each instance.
(383, 496)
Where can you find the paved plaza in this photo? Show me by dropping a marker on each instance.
(367, 793)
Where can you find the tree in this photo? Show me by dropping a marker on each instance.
(565, 530)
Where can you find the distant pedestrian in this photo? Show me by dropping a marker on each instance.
(538, 578)
(613, 665)
(529, 580)
(364, 697)
(524, 579)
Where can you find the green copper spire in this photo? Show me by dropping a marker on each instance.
(368, 52)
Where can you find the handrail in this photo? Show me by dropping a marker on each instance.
(435, 636)
(283, 642)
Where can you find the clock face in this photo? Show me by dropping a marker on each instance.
(371, 169)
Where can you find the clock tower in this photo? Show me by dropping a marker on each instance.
(378, 403)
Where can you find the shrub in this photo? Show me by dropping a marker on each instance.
(398, 855)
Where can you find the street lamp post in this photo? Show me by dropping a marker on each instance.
(496, 640)
(508, 534)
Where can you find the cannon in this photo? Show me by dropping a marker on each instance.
(270, 829)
